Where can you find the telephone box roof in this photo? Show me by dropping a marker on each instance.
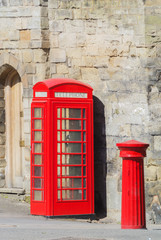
(54, 82)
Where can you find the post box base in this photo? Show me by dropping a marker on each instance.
(133, 227)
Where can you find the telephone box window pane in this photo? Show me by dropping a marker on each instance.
(71, 136)
(58, 124)
(71, 147)
(84, 182)
(71, 113)
(37, 124)
(71, 159)
(38, 195)
(84, 192)
(58, 135)
(84, 113)
(84, 125)
(37, 113)
(84, 147)
(58, 195)
(38, 183)
(84, 171)
(71, 182)
(84, 136)
(37, 159)
(58, 112)
(71, 124)
(84, 159)
(58, 147)
(71, 194)
(58, 182)
(58, 171)
(37, 136)
(72, 171)
(38, 171)
(58, 159)
(38, 147)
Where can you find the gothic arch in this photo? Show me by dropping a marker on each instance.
(12, 81)
(11, 61)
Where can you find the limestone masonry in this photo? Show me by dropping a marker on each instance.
(113, 45)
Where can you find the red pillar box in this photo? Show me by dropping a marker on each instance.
(133, 196)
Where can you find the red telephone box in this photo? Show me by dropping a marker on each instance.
(62, 181)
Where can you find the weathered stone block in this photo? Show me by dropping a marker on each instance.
(2, 127)
(30, 68)
(62, 69)
(63, 14)
(67, 40)
(57, 26)
(16, 2)
(57, 55)
(27, 56)
(25, 35)
(151, 173)
(159, 173)
(2, 139)
(157, 143)
(39, 56)
(2, 154)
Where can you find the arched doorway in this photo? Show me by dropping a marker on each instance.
(12, 87)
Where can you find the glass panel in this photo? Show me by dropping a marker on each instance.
(84, 125)
(58, 182)
(38, 182)
(58, 195)
(84, 113)
(38, 196)
(84, 182)
(58, 147)
(71, 147)
(37, 147)
(58, 173)
(37, 171)
(38, 159)
(84, 192)
(71, 182)
(71, 171)
(37, 124)
(84, 147)
(58, 112)
(84, 136)
(71, 136)
(71, 159)
(58, 135)
(71, 194)
(71, 124)
(84, 171)
(71, 113)
(84, 159)
(58, 159)
(37, 113)
(37, 136)
(58, 124)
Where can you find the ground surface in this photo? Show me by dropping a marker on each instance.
(16, 223)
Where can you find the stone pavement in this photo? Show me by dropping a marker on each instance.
(16, 223)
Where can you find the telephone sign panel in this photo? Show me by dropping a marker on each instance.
(62, 148)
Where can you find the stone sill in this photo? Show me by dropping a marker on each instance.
(18, 191)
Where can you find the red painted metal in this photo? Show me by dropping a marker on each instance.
(133, 195)
(62, 174)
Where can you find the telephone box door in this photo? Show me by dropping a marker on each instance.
(73, 171)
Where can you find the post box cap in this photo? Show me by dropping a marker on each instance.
(132, 143)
